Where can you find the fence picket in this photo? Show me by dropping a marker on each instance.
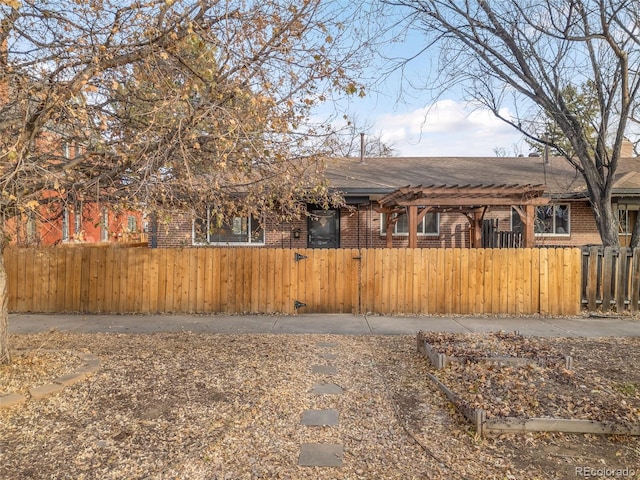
(478, 282)
(431, 266)
(608, 269)
(634, 296)
(544, 281)
(621, 279)
(575, 302)
(503, 280)
(557, 294)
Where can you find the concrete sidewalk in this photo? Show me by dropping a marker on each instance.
(341, 324)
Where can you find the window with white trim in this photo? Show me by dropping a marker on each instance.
(65, 225)
(627, 218)
(77, 219)
(550, 220)
(132, 224)
(430, 224)
(237, 231)
(104, 226)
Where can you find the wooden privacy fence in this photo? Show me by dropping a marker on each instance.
(611, 278)
(266, 280)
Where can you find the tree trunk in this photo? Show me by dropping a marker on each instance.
(5, 356)
(606, 220)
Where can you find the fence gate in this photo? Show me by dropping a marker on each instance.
(325, 280)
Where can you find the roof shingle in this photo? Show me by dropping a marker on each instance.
(386, 174)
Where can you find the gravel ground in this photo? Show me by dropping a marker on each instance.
(187, 406)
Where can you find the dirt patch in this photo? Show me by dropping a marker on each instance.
(209, 407)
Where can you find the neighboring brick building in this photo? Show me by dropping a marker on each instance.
(59, 217)
(51, 217)
(82, 222)
(563, 216)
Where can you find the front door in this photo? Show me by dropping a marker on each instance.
(323, 229)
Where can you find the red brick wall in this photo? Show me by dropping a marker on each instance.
(355, 231)
(283, 235)
(176, 231)
(49, 225)
(360, 228)
(454, 229)
(583, 226)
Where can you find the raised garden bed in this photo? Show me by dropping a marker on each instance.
(509, 383)
(503, 348)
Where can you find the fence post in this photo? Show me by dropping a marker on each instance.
(635, 279)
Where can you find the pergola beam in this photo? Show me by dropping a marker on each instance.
(472, 201)
(469, 196)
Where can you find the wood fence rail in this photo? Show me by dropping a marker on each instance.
(267, 280)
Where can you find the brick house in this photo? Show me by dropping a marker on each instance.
(81, 222)
(61, 222)
(457, 202)
(58, 218)
(63, 218)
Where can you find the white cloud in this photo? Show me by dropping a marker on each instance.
(447, 128)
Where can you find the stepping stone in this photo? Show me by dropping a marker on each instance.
(71, 378)
(326, 369)
(328, 356)
(326, 389)
(320, 417)
(320, 455)
(11, 399)
(45, 390)
(327, 344)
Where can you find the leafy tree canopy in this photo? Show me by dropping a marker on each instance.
(169, 103)
(583, 103)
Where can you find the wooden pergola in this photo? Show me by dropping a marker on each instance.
(472, 201)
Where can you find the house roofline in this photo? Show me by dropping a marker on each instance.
(363, 190)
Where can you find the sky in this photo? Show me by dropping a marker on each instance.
(416, 125)
(448, 127)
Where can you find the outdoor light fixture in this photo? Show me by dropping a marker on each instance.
(296, 233)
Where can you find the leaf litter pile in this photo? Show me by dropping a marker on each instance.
(31, 368)
(207, 407)
(603, 384)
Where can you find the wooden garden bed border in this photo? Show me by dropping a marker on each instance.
(441, 360)
(495, 426)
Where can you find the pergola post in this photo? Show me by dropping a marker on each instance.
(527, 215)
(476, 230)
(391, 223)
(412, 212)
(528, 220)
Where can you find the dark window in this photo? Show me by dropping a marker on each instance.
(237, 230)
(429, 225)
(550, 220)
